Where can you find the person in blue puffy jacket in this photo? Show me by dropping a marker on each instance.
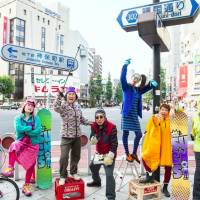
(132, 108)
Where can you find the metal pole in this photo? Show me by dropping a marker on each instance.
(156, 76)
(156, 93)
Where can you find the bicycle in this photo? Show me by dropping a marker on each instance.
(9, 190)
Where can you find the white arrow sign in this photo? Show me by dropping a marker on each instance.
(171, 12)
(28, 56)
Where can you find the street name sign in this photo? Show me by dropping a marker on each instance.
(172, 12)
(13, 53)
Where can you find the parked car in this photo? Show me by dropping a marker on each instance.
(6, 105)
(14, 106)
(146, 107)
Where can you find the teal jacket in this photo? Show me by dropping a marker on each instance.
(31, 127)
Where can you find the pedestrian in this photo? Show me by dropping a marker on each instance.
(157, 147)
(196, 147)
(104, 136)
(25, 149)
(132, 108)
(72, 118)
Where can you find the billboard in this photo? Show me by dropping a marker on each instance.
(49, 84)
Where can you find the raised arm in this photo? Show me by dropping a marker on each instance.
(123, 75)
(152, 84)
(57, 105)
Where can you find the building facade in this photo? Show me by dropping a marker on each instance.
(28, 24)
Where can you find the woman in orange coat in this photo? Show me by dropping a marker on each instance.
(157, 147)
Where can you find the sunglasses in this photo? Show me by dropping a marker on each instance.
(99, 117)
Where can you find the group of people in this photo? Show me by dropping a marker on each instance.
(156, 150)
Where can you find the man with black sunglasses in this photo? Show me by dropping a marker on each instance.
(104, 136)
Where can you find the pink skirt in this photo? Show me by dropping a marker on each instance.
(26, 153)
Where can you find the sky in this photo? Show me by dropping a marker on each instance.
(96, 21)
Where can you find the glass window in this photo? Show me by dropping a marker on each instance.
(61, 44)
(18, 26)
(24, 12)
(43, 38)
(11, 31)
(48, 22)
(43, 20)
(38, 17)
(16, 72)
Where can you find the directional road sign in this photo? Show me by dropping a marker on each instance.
(172, 12)
(28, 56)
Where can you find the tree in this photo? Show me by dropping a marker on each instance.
(147, 97)
(109, 89)
(118, 93)
(92, 92)
(6, 86)
(163, 87)
(99, 88)
(95, 90)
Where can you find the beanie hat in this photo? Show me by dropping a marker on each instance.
(71, 89)
(100, 111)
(29, 100)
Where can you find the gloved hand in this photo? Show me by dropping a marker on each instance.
(127, 62)
(93, 140)
(153, 83)
(61, 91)
(108, 159)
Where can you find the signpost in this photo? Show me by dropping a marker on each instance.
(28, 56)
(172, 12)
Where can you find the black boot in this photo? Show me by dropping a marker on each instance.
(165, 191)
(148, 179)
(94, 184)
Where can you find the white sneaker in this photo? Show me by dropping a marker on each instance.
(75, 177)
(62, 181)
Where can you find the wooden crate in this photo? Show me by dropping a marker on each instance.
(138, 191)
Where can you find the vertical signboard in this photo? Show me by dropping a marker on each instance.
(4, 30)
(183, 81)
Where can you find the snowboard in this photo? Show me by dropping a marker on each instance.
(44, 171)
(180, 184)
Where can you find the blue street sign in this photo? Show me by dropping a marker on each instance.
(172, 12)
(28, 56)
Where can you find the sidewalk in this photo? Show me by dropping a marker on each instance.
(95, 193)
(90, 193)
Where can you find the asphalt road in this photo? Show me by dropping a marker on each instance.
(113, 114)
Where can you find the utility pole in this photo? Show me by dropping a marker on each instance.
(156, 92)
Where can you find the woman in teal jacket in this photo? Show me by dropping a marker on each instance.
(25, 149)
(196, 138)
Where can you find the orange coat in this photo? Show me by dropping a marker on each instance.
(157, 148)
